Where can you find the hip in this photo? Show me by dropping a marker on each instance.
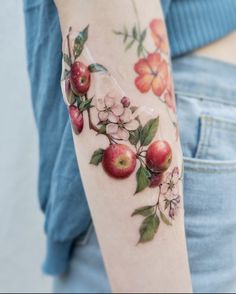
(206, 105)
(223, 49)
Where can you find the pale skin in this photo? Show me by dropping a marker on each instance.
(146, 267)
(223, 49)
(161, 265)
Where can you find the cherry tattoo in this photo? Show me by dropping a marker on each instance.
(133, 150)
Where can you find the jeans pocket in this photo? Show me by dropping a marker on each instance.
(217, 139)
(210, 219)
(207, 117)
(210, 224)
(215, 149)
(208, 138)
(208, 131)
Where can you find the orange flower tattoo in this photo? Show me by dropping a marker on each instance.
(153, 74)
(159, 34)
(153, 68)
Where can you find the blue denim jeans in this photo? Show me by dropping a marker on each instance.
(206, 102)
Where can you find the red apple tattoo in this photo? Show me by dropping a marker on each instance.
(77, 119)
(77, 79)
(159, 156)
(119, 161)
(80, 78)
(156, 179)
(133, 150)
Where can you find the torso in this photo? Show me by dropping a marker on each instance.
(223, 49)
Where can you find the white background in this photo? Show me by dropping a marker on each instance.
(21, 223)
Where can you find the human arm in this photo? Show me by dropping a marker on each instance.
(124, 146)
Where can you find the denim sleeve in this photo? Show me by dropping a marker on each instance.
(165, 6)
(60, 189)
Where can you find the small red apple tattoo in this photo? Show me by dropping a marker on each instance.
(159, 156)
(77, 80)
(80, 78)
(156, 179)
(77, 120)
(132, 148)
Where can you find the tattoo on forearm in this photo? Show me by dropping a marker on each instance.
(152, 68)
(132, 145)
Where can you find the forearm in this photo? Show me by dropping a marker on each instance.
(128, 149)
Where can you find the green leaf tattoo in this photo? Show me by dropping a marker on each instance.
(67, 59)
(71, 99)
(143, 181)
(79, 42)
(97, 157)
(143, 35)
(134, 32)
(139, 50)
(95, 67)
(165, 219)
(102, 129)
(86, 104)
(149, 228)
(66, 74)
(167, 203)
(149, 131)
(144, 211)
(134, 136)
(130, 45)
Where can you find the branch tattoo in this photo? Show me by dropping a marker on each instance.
(131, 145)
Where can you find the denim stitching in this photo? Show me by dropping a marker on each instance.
(202, 97)
(208, 123)
(205, 143)
(224, 128)
(222, 124)
(233, 130)
(210, 131)
(210, 169)
(203, 139)
(219, 120)
(194, 164)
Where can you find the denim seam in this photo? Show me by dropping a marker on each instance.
(199, 96)
(207, 126)
(209, 165)
(210, 169)
(201, 149)
(224, 128)
(220, 123)
(209, 130)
